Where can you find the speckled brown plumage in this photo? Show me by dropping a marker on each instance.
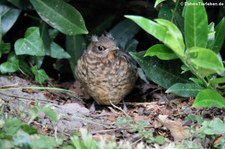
(105, 71)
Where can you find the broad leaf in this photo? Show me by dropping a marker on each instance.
(174, 38)
(185, 89)
(173, 12)
(195, 24)
(206, 59)
(75, 46)
(164, 30)
(123, 32)
(209, 98)
(131, 45)
(11, 65)
(58, 52)
(216, 81)
(161, 51)
(220, 36)
(32, 43)
(164, 73)
(8, 17)
(211, 35)
(61, 16)
(151, 27)
(157, 2)
(40, 75)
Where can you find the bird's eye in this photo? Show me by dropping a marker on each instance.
(101, 48)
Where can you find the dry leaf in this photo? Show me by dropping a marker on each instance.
(177, 130)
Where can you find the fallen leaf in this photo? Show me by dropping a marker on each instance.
(176, 129)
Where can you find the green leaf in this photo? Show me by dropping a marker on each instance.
(44, 142)
(8, 17)
(206, 59)
(75, 46)
(28, 129)
(22, 4)
(51, 114)
(209, 98)
(131, 45)
(220, 36)
(215, 126)
(161, 51)
(195, 24)
(12, 126)
(32, 43)
(174, 38)
(22, 139)
(45, 36)
(163, 73)
(211, 35)
(4, 48)
(24, 67)
(160, 139)
(163, 30)
(151, 27)
(11, 65)
(40, 75)
(61, 16)
(217, 81)
(58, 52)
(157, 2)
(123, 32)
(185, 89)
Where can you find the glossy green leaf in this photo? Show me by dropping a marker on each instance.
(217, 81)
(206, 59)
(195, 24)
(45, 36)
(161, 51)
(164, 73)
(185, 89)
(75, 46)
(163, 30)
(124, 31)
(211, 35)
(58, 52)
(173, 12)
(157, 2)
(197, 81)
(220, 36)
(151, 27)
(8, 17)
(174, 38)
(40, 75)
(209, 98)
(11, 65)
(60, 15)
(32, 43)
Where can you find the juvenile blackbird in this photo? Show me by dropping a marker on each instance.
(105, 71)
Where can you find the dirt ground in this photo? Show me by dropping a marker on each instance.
(147, 106)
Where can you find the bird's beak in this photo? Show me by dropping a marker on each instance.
(113, 48)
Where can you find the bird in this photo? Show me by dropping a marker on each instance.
(105, 71)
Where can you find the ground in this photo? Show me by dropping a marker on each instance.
(145, 114)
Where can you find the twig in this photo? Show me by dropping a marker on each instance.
(118, 108)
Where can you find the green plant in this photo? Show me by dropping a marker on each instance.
(28, 53)
(194, 47)
(201, 129)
